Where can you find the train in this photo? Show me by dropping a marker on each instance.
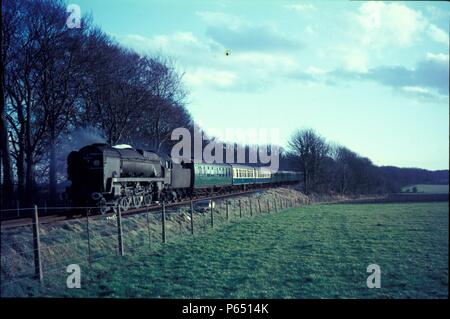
(122, 177)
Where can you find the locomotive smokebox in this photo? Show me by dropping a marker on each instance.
(99, 172)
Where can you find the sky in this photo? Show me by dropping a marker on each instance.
(372, 76)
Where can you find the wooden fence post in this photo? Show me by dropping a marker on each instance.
(192, 217)
(119, 231)
(240, 208)
(148, 231)
(259, 204)
(212, 215)
(268, 206)
(37, 246)
(251, 209)
(226, 207)
(163, 222)
(88, 236)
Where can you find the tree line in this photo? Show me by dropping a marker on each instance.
(333, 168)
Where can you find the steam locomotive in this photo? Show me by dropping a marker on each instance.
(121, 177)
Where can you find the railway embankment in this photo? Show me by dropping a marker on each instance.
(89, 239)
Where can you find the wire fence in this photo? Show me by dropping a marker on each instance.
(38, 254)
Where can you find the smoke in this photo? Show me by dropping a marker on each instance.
(83, 136)
(73, 141)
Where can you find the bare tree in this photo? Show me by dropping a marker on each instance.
(10, 21)
(26, 122)
(41, 73)
(116, 95)
(311, 149)
(163, 110)
(60, 62)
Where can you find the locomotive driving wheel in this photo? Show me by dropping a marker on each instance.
(102, 206)
(148, 199)
(137, 200)
(124, 203)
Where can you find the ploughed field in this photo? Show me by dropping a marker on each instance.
(316, 251)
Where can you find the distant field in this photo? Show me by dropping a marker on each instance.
(430, 189)
(318, 251)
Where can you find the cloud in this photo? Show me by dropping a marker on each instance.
(255, 38)
(235, 33)
(436, 13)
(263, 61)
(300, 7)
(429, 76)
(210, 77)
(220, 18)
(438, 57)
(388, 24)
(355, 60)
(394, 24)
(429, 79)
(175, 43)
(438, 34)
(416, 89)
(377, 27)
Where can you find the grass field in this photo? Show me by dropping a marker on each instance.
(317, 251)
(429, 189)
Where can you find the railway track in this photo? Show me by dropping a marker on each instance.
(66, 213)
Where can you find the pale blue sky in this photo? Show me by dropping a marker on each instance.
(371, 76)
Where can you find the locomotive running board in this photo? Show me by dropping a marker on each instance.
(137, 179)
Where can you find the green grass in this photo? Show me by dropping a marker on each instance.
(318, 251)
(430, 189)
